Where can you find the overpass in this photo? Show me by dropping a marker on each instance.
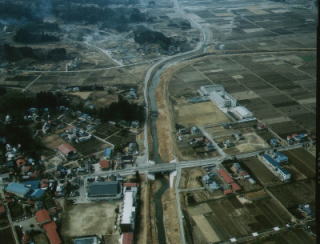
(169, 167)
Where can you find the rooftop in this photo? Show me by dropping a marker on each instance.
(65, 149)
(104, 164)
(226, 177)
(51, 230)
(17, 188)
(128, 207)
(101, 189)
(86, 240)
(127, 238)
(42, 216)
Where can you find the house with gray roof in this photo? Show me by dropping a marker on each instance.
(106, 190)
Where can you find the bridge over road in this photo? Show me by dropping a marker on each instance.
(148, 168)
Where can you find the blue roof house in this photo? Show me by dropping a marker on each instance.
(281, 158)
(17, 189)
(107, 152)
(37, 194)
(33, 184)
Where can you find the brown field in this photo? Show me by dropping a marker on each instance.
(199, 114)
(165, 126)
(296, 236)
(90, 147)
(170, 217)
(90, 219)
(53, 141)
(189, 178)
(6, 235)
(303, 161)
(292, 194)
(228, 217)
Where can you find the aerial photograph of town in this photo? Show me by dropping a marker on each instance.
(158, 122)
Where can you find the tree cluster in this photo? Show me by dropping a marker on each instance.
(121, 110)
(16, 104)
(24, 35)
(10, 10)
(13, 54)
(115, 18)
(144, 35)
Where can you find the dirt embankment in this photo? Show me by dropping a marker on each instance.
(153, 233)
(170, 217)
(165, 121)
(144, 234)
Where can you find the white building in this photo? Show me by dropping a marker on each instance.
(218, 96)
(241, 112)
(225, 102)
(207, 90)
(128, 212)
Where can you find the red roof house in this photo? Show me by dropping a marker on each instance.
(127, 238)
(104, 164)
(52, 234)
(226, 177)
(235, 187)
(130, 184)
(42, 216)
(66, 149)
(227, 191)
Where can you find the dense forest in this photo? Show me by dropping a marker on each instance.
(144, 35)
(16, 11)
(12, 54)
(122, 110)
(108, 17)
(24, 35)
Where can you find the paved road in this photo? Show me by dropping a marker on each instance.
(167, 167)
